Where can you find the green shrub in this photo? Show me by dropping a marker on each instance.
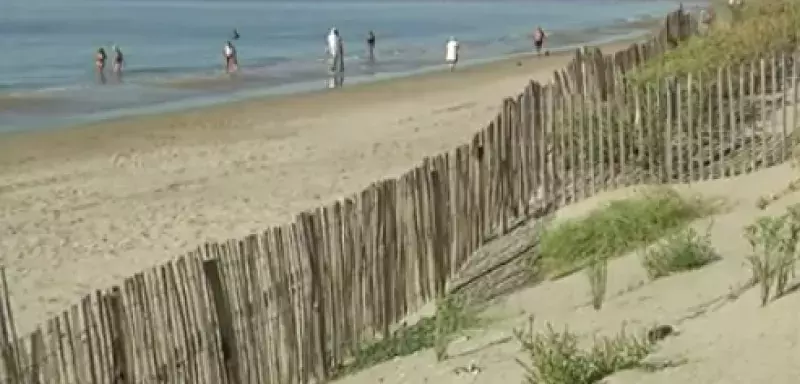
(684, 251)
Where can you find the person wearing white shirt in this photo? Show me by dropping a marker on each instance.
(451, 52)
(335, 51)
(231, 63)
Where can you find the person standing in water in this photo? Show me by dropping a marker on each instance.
(231, 63)
(118, 63)
(335, 51)
(451, 53)
(236, 34)
(538, 39)
(371, 46)
(100, 65)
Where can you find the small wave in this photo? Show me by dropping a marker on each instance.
(45, 91)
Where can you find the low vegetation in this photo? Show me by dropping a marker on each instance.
(557, 357)
(753, 30)
(684, 251)
(774, 242)
(598, 280)
(453, 317)
(619, 227)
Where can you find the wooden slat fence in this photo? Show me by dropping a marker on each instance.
(290, 305)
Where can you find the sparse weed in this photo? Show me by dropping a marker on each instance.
(598, 280)
(557, 358)
(684, 251)
(453, 316)
(774, 243)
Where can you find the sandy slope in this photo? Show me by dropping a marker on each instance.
(82, 208)
(722, 340)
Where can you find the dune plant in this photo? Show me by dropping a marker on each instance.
(755, 30)
(619, 227)
(558, 358)
(684, 251)
(453, 317)
(774, 242)
(597, 274)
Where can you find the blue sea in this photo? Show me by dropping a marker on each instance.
(173, 47)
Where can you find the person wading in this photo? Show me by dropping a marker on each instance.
(335, 49)
(538, 39)
(451, 53)
(231, 62)
(100, 65)
(371, 46)
(119, 60)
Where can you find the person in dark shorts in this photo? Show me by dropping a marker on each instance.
(538, 39)
(371, 45)
(100, 65)
(119, 60)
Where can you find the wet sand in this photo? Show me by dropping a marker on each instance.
(82, 208)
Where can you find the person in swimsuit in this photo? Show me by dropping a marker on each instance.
(231, 64)
(538, 39)
(371, 46)
(236, 34)
(100, 65)
(118, 64)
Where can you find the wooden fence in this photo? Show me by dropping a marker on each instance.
(289, 305)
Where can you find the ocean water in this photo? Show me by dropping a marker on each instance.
(173, 47)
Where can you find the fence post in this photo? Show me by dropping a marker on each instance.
(116, 316)
(37, 356)
(230, 351)
(310, 231)
(9, 343)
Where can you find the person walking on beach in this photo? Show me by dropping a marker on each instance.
(231, 63)
(335, 50)
(118, 63)
(371, 46)
(538, 39)
(451, 53)
(100, 65)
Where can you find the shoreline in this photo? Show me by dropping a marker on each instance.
(278, 100)
(219, 91)
(85, 207)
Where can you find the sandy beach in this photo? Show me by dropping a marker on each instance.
(82, 208)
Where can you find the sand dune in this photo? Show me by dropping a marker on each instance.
(722, 339)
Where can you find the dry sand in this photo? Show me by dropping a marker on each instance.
(85, 207)
(722, 339)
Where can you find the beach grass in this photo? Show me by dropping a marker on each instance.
(619, 227)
